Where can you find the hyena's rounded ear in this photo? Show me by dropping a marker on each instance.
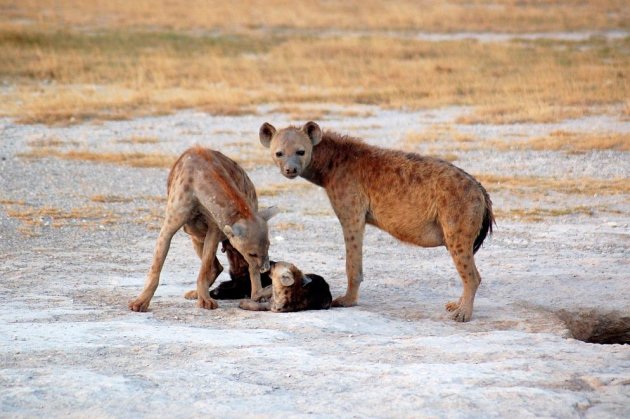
(267, 213)
(266, 133)
(313, 131)
(233, 231)
(287, 279)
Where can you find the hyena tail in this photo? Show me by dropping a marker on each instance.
(486, 224)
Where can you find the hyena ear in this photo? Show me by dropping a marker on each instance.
(266, 133)
(287, 279)
(233, 231)
(313, 131)
(267, 213)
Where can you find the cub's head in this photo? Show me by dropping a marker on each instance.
(284, 274)
(292, 147)
(251, 238)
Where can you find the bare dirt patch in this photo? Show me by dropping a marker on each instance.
(69, 343)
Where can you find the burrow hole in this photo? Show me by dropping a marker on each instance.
(592, 326)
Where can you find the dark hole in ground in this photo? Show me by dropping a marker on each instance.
(593, 326)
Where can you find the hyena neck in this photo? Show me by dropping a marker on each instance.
(330, 155)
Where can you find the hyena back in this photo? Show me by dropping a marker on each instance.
(417, 199)
(213, 199)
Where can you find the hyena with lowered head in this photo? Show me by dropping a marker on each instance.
(213, 199)
(417, 199)
(292, 290)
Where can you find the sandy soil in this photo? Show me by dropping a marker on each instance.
(70, 347)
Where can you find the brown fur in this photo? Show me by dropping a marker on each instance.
(417, 199)
(291, 290)
(214, 200)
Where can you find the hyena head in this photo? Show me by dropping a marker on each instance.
(251, 238)
(292, 147)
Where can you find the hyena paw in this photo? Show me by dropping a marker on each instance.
(207, 303)
(139, 304)
(344, 301)
(191, 295)
(459, 312)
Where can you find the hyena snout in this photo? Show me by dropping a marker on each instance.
(265, 266)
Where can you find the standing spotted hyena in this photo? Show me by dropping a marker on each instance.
(214, 200)
(417, 199)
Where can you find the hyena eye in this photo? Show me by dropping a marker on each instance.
(300, 152)
(252, 255)
(278, 153)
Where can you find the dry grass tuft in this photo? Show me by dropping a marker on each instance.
(139, 140)
(436, 133)
(575, 142)
(126, 159)
(582, 186)
(274, 189)
(110, 199)
(86, 216)
(523, 113)
(288, 226)
(50, 142)
(539, 214)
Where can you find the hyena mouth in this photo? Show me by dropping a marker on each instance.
(290, 175)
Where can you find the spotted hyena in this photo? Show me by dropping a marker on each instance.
(214, 200)
(417, 199)
(291, 290)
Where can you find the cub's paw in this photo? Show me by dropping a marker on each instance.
(207, 303)
(344, 301)
(191, 295)
(249, 305)
(139, 304)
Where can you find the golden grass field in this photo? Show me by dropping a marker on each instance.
(68, 61)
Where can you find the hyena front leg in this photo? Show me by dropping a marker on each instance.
(353, 228)
(209, 268)
(174, 220)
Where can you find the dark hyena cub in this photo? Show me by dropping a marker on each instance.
(291, 290)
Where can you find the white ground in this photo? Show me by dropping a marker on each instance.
(70, 347)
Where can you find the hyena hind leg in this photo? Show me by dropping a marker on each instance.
(463, 258)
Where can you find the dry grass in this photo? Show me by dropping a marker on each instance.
(539, 214)
(110, 199)
(87, 217)
(146, 59)
(274, 189)
(288, 226)
(576, 142)
(434, 134)
(247, 15)
(517, 113)
(126, 159)
(139, 140)
(582, 186)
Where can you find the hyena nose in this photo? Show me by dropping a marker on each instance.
(265, 266)
(290, 170)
